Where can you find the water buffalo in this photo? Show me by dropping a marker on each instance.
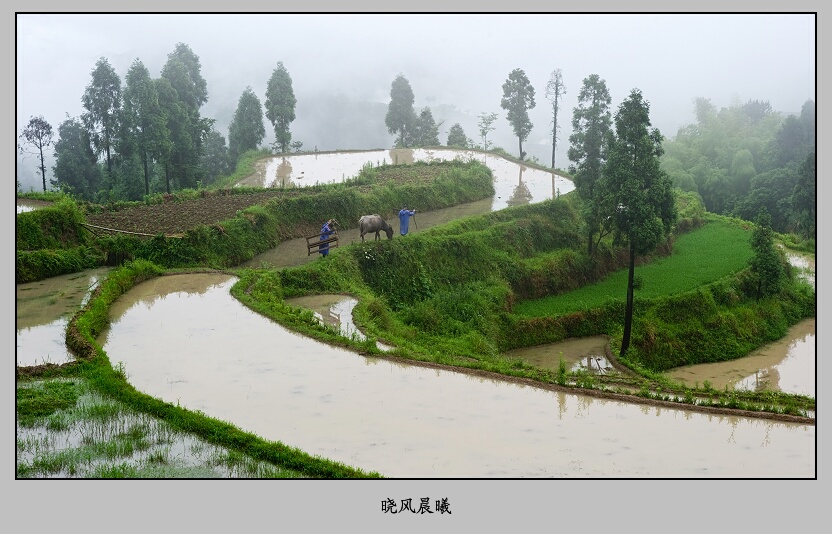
(374, 223)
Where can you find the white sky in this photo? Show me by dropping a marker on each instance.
(459, 60)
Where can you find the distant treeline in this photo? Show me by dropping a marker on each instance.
(747, 157)
(142, 135)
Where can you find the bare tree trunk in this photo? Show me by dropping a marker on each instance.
(555, 138)
(42, 169)
(554, 129)
(554, 135)
(628, 313)
(146, 177)
(589, 239)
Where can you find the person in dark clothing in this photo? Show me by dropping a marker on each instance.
(404, 219)
(326, 231)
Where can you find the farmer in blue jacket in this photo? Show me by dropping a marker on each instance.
(404, 219)
(326, 231)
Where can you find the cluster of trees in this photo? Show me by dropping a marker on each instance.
(618, 176)
(745, 161)
(747, 157)
(740, 160)
(412, 130)
(148, 135)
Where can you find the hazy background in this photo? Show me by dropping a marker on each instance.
(342, 66)
(674, 59)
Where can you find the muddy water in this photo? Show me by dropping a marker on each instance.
(186, 340)
(514, 183)
(24, 205)
(786, 365)
(805, 266)
(43, 310)
(587, 353)
(335, 311)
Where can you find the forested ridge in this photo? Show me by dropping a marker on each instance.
(141, 135)
(748, 157)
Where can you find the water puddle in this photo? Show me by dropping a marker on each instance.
(186, 340)
(587, 354)
(43, 311)
(24, 205)
(805, 266)
(336, 311)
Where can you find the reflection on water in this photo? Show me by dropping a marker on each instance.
(184, 339)
(43, 311)
(587, 353)
(514, 183)
(42, 344)
(336, 311)
(282, 170)
(204, 350)
(786, 365)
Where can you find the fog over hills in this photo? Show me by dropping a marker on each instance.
(342, 66)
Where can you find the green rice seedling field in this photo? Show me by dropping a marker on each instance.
(719, 248)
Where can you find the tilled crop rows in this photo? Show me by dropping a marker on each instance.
(177, 217)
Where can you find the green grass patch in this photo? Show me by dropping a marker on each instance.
(40, 400)
(719, 248)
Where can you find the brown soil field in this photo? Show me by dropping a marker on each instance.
(173, 217)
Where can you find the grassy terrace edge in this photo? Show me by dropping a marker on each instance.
(716, 314)
(94, 366)
(487, 262)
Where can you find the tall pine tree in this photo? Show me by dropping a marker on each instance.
(591, 123)
(640, 194)
(280, 106)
